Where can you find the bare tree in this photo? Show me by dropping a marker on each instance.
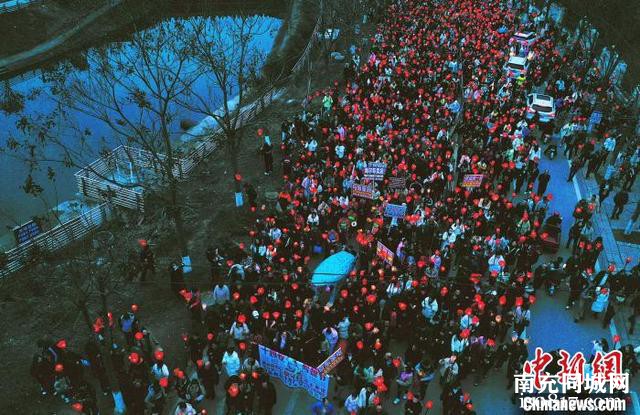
(231, 59)
(92, 275)
(132, 90)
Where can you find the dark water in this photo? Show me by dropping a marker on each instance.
(40, 93)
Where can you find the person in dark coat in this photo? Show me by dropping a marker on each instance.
(620, 200)
(577, 283)
(603, 192)
(594, 163)
(543, 182)
(267, 154)
(147, 260)
(42, 372)
(267, 396)
(576, 165)
(252, 195)
(413, 406)
(176, 277)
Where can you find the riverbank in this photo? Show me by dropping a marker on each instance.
(287, 43)
(211, 218)
(106, 22)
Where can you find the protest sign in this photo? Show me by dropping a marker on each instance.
(384, 253)
(472, 180)
(375, 171)
(293, 373)
(331, 362)
(362, 190)
(395, 211)
(397, 182)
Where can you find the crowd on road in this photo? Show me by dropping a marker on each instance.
(432, 102)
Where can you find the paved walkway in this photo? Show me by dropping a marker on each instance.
(615, 251)
(43, 51)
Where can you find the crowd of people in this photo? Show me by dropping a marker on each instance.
(430, 100)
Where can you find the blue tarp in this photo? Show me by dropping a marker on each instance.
(333, 269)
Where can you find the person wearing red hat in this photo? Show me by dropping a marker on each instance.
(190, 389)
(156, 396)
(521, 320)
(208, 372)
(413, 405)
(159, 369)
(62, 386)
(129, 325)
(147, 260)
(85, 394)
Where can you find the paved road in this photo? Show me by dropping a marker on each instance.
(552, 327)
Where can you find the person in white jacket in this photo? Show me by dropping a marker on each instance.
(185, 408)
(159, 370)
(366, 397)
(351, 403)
(221, 294)
(343, 328)
(231, 362)
(429, 308)
(458, 343)
(239, 331)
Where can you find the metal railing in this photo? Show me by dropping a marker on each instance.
(55, 238)
(97, 180)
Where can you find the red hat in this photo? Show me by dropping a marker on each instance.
(164, 382)
(233, 390)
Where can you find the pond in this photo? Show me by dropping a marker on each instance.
(66, 115)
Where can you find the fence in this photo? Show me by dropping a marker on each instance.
(99, 180)
(55, 238)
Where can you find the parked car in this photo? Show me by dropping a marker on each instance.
(543, 105)
(516, 66)
(525, 39)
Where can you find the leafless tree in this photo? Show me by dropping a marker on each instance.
(132, 89)
(230, 58)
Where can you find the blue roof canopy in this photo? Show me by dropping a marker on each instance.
(333, 269)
